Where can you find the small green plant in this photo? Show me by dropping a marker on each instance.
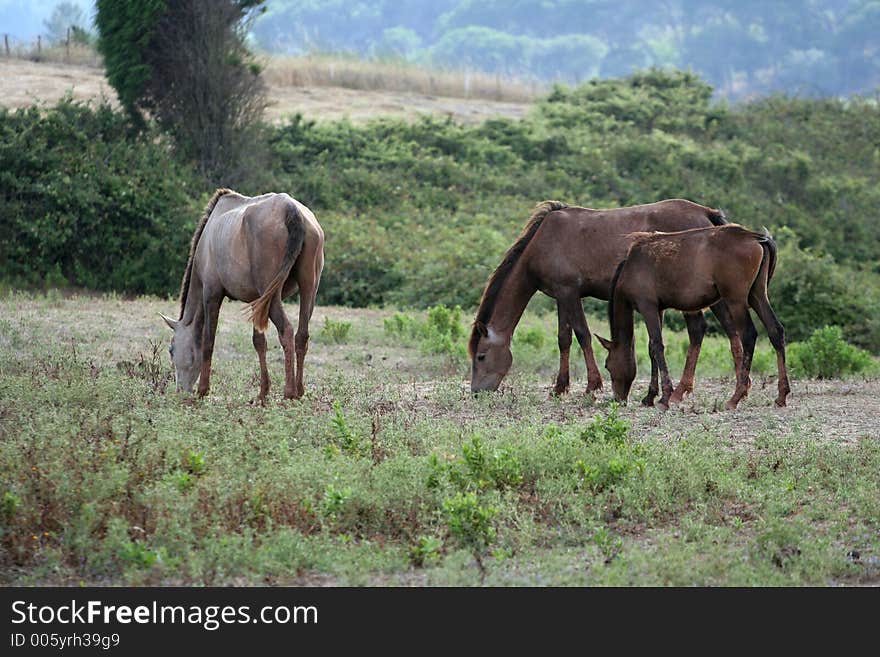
(440, 333)
(335, 332)
(334, 500)
(9, 505)
(425, 552)
(608, 470)
(135, 553)
(607, 429)
(183, 481)
(194, 463)
(826, 355)
(478, 468)
(346, 439)
(608, 544)
(470, 524)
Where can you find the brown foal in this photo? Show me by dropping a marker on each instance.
(691, 270)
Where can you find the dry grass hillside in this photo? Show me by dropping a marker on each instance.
(322, 89)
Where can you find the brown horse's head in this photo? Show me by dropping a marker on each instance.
(621, 365)
(490, 358)
(186, 355)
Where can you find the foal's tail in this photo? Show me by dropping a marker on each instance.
(768, 261)
(296, 235)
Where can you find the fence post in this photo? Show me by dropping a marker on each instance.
(39, 46)
(6, 42)
(67, 47)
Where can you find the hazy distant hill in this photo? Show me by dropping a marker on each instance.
(743, 47)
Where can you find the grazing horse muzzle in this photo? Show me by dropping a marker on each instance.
(487, 384)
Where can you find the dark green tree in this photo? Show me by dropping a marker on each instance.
(185, 64)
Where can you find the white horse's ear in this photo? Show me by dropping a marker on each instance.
(605, 343)
(172, 323)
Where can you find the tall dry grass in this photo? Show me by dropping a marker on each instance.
(41, 50)
(377, 75)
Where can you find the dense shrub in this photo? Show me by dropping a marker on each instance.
(86, 203)
(825, 355)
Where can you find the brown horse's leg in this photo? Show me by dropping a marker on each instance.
(209, 331)
(259, 340)
(285, 336)
(749, 338)
(776, 332)
(564, 340)
(653, 386)
(739, 324)
(654, 322)
(696, 328)
(585, 340)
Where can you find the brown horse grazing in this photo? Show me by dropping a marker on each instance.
(254, 249)
(691, 270)
(569, 253)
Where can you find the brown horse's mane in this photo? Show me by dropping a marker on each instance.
(184, 286)
(496, 280)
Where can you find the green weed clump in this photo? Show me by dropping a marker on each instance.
(826, 355)
(471, 524)
(478, 468)
(441, 332)
(335, 332)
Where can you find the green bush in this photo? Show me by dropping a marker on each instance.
(825, 355)
(87, 203)
(335, 332)
(470, 523)
(440, 333)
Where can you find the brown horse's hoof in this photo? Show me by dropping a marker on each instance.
(662, 406)
(594, 386)
(678, 396)
(780, 403)
(648, 401)
(730, 405)
(559, 391)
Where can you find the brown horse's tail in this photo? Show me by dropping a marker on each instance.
(768, 261)
(717, 217)
(296, 235)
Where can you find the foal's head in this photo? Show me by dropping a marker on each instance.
(185, 354)
(490, 359)
(621, 365)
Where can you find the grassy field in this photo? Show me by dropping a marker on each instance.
(388, 472)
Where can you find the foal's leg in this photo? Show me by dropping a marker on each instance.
(654, 386)
(696, 328)
(748, 338)
(211, 308)
(285, 336)
(259, 340)
(585, 340)
(654, 322)
(776, 332)
(564, 340)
